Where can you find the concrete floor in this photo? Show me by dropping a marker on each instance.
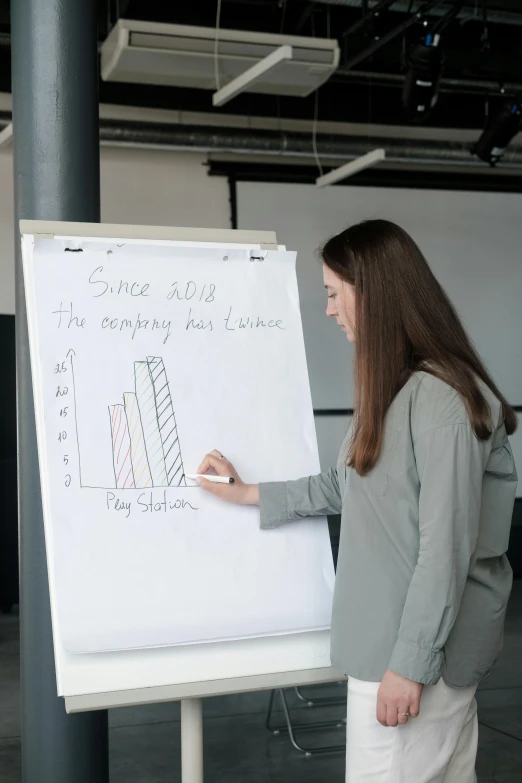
(145, 746)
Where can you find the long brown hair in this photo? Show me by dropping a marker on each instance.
(404, 322)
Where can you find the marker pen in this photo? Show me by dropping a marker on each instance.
(215, 479)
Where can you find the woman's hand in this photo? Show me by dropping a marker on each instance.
(396, 697)
(238, 492)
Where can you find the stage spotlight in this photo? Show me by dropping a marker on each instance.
(421, 83)
(500, 129)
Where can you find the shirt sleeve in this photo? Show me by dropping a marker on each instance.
(283, 501)
(450, 464)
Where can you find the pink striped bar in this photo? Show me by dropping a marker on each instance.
(121, 448)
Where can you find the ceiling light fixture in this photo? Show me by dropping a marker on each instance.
(351, 168)
(500, 129)
(422, 81)
(425, 64)
(247, 79)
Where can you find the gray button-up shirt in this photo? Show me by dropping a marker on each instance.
(422, 578)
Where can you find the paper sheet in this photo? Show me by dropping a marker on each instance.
(145, 357)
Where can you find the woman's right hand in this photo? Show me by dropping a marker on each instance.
(238, 492)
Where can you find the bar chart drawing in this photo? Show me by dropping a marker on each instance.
(146, 450)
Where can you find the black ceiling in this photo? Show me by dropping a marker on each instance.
(477, 67)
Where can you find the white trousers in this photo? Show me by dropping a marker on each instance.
(440, 746)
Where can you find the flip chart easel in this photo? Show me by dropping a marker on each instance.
(131, 677)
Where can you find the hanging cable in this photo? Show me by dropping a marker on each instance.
(283, 4)
(328, 23)
(445, 20)
(404, 45)
(216, 46)
(314, 134)
(484, 41)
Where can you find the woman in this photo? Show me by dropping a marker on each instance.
(425, 483)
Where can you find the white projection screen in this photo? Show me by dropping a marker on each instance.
(472, 241)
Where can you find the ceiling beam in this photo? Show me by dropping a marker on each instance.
(468, 13)
(396, 31)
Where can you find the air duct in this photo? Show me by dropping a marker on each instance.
(331, 149)
(256, 144)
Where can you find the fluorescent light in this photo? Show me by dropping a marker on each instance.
(252, 75)
(364, 162)
(6, 134)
